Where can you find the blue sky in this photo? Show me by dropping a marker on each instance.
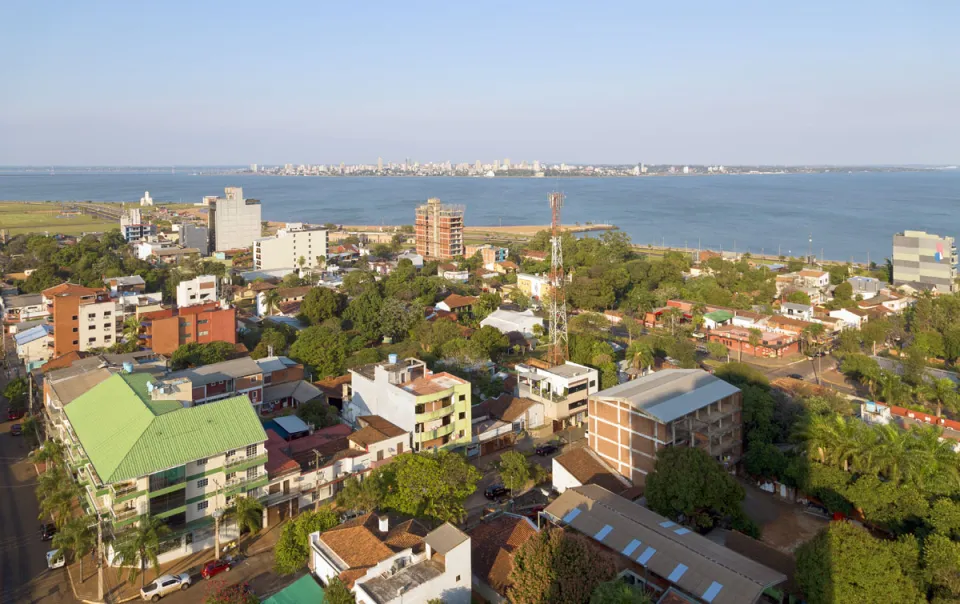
(132, 83)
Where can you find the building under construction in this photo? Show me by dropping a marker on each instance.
(439, 229)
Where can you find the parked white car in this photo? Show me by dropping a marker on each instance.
(55, 559)
(164, 585)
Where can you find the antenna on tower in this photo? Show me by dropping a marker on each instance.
(559, 342)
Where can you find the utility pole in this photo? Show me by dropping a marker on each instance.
(99, 558)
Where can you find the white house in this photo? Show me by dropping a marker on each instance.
(384, 560)
(866, 287)
(535, 286)
(199, 290)
(804, 312)
(35, 345)
(851, 317)
(563, 390)
(814, 278)
(581, 466)
(506, 321)
(415, 258)
(451, 272)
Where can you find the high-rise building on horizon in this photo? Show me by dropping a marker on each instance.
(439, 230)
(233, 222)
(925, 261)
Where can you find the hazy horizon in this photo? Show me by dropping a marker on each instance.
(111, 84)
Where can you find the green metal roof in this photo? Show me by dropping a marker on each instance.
(719, 316)
(126, 435)
(304, 589)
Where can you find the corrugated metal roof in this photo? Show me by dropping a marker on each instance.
(124, 438)
(671, 393)
(34, 333)
(690, 561)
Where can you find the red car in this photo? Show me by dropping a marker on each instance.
(214, 568)
(13, 414)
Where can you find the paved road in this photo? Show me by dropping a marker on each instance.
(24, 576)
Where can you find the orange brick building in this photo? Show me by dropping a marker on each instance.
(83, 317)
(164, 331)
(630, 422)
(439, 230)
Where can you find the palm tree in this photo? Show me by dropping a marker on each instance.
(131, 333)
(50, 453)
(943, 392)
(892, 388)
(756, 337)
(56, 492)
(270, 299)
(76, 537)
(249, 514)
(140, 545)
(642, 356)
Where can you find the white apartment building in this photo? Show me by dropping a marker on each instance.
(289, 246)
(233, 222)
(399, 561)
(199, 290)
(563, 390)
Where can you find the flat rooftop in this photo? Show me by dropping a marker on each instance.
(672, 393)
(431, 384)
(385, 589)
(568, 370)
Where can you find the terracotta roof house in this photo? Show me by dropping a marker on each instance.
(385, 558)
(495, 542)
(581, 466)
(457, 303)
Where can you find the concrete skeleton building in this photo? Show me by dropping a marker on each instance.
(925, 261)
(439, 230)
(434, 407)
(288, 246)
(233, 221)
(631, 422)
(195, 237)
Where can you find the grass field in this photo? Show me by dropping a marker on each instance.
(24, 217)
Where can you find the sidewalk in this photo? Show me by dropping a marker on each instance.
(118, 589)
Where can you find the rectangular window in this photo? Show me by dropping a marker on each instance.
(380, 455)
(106, 314)
(231, 453)
(203, 482)
(203, 333)
(75, 317)
(91, 340)
(463, 397)
(202, 505)
(106, 325)
(203, 321)
(399, 448)
(230, 476)
(91, 316)
(253, 472)
(107, 338)
(462, 415)
(201, 462)
(252, 451)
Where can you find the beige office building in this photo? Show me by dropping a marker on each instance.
(233, 222)
(288, 246)
(925, 261)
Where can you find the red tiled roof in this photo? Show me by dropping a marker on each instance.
(494, 544)
(64, 360)
(278, 462)
(70, 289)
(587, 468)
(454, 301)
(505, 407)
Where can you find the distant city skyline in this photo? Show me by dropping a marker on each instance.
(820, 83)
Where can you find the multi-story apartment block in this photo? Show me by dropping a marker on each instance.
(133, 227)
(385, 560)
(141, 448)
(83, 317)
(202, 289)
(925, 261)
(630, 422)
(196, 237)
(563, 390)
(439, 230)
(164, 331)
(233, 222)
(490, 254)
(313, 468)
(534, 286)
(435, 407)
(289, 246)
(209, 383)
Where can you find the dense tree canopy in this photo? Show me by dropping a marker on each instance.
(557, 567)
(322, 349)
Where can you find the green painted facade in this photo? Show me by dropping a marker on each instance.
(461, 399)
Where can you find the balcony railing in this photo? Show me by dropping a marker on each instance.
(439, 432)
(437, 414)
(236, 460)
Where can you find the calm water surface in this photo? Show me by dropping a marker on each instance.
(848, 215)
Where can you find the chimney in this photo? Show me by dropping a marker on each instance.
(384, 524)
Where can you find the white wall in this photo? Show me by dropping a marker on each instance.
(104, 324)
(562, 479)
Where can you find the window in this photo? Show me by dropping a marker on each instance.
(91, 316)
(75, 342)
(106, 325)
(253, 472)
(107, 338)
(202, 505)
(201, 462)
(252, 451)
(463, 397)
(203, 333)
(74, 318)
(593, 383)
(203, 321)
(458, 578)
(75, 330)
(230, 476)
(231, 453)
(193, 297)
(106, 314)
(380, 455)
(91, 339)
(463, 415)
(202, 483)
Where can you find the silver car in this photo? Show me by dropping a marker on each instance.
(164, 585)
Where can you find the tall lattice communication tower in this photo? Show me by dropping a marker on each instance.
(559, 342)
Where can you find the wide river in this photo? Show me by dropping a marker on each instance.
(848, 214)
